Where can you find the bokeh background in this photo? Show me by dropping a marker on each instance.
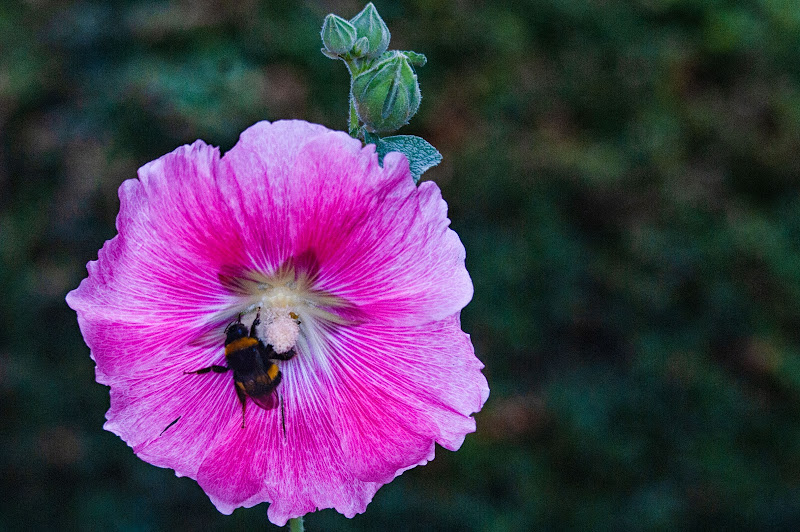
(624, 176)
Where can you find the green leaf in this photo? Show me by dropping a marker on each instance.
(420, 153)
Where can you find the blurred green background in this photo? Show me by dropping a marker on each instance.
(624, 176)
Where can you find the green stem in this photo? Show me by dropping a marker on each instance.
(355, 67)
(353, 125)
(296, 524)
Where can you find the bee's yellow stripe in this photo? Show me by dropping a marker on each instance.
(241, 343)
(272, 372)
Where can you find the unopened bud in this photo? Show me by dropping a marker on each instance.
(338, 35)
(369, 24)
(361, 48)
(387, 95)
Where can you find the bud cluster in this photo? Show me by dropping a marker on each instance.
(384, 90)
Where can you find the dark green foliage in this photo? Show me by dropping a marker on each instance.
(624, 176)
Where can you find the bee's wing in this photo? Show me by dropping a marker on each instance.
(267, 402)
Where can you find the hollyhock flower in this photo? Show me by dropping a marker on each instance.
(348, 264)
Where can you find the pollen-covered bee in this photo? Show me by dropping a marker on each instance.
(254, 374)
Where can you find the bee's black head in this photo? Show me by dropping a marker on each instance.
(234, 332)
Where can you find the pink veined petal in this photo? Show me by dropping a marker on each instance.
(310, 471)
(153, 287)
(171, 419)
(258, 174)
(399, 389)
(233, 471)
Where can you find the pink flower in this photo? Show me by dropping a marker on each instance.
(349, 264)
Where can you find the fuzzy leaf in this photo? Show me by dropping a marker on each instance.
(420, 153)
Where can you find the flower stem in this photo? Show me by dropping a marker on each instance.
(353, 125)
(296, 524)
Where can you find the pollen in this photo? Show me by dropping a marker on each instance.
(282, 329)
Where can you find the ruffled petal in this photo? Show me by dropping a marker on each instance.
(312, 472)
(171, 419)
(258, 175)
(399, 390)
(154, 288)
(234, 470)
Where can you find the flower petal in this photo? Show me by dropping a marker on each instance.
(154, 286)
(399, 389)
(234, 470)
(171, 419)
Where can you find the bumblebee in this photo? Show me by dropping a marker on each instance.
(255, 375)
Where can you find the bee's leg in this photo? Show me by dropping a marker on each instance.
(242, 398)
(283, 417)
(214, 368)
(255, 322)
(288, 355)
(168, 426)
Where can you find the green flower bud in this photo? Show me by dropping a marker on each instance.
(386, 95)
(361, 47)
(338, 35)
(369, 24)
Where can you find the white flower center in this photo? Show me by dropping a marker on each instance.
(291, 310)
